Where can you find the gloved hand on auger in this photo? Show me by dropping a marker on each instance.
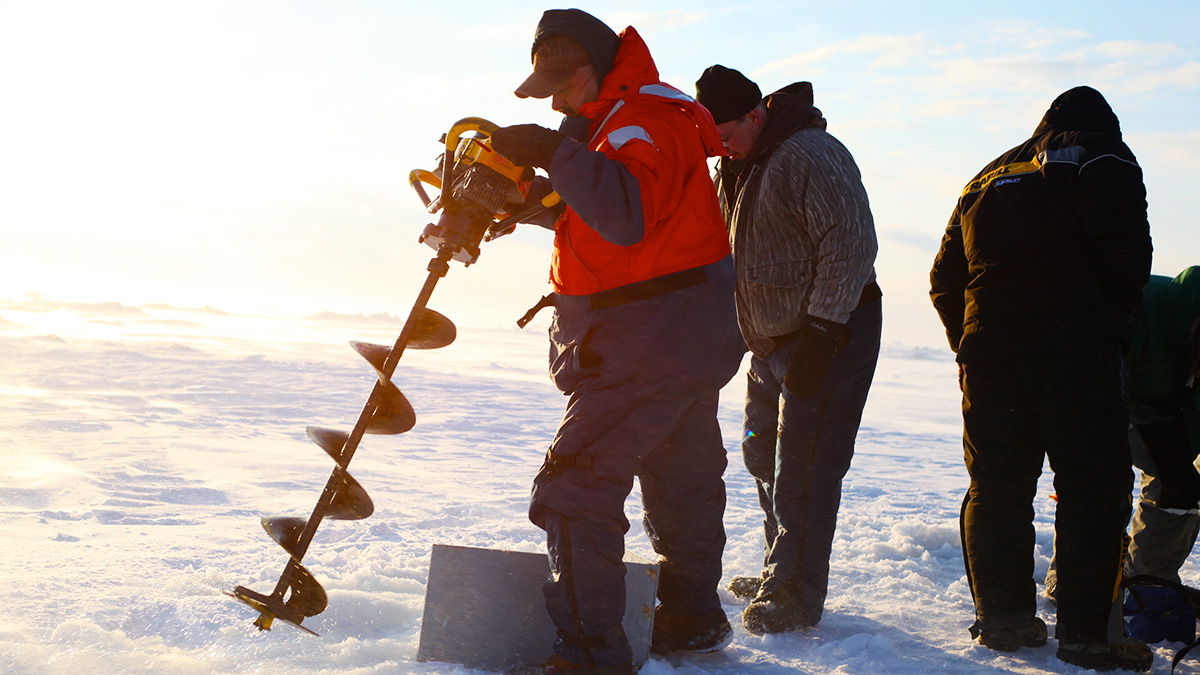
(544, 217)
(811, 353)
(527, 144)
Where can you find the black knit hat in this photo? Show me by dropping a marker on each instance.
(727, 93)
(555, 60)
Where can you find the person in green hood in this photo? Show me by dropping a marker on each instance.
(1164, 437)
(1164, 413)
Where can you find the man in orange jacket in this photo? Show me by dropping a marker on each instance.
(644, 336)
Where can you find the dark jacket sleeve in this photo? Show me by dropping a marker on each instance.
(601, 190)
(948, 282)
(1112, 211)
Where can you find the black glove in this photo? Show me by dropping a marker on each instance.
(812, 352)
(527, 144)
(1167, 443)
(539, 187)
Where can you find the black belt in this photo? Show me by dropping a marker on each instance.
(622, 295)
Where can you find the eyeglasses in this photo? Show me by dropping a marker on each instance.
(725, 139)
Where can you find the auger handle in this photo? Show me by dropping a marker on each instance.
(452, 137)
(463, 126)
(416, 176)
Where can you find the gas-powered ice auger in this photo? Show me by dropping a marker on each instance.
(483, 185)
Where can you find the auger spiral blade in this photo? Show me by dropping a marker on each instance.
(285, 530)
(393, 413)
(351, 501)
(376, 355)
(432, 331)
(331, 441)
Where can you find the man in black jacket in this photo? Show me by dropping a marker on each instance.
(1038, 276)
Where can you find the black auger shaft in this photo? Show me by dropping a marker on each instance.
(437, 269)
(474, 189)
(308, 598)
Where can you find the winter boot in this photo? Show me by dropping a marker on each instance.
(1128, 654)
(776, 613)
(745, 587)
(1012, 639)
(684, 633)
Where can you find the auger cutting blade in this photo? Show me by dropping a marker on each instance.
(393, 413)
(432, 331)
(285, 530)
(330, 440)
(350, 502)
(269, 609)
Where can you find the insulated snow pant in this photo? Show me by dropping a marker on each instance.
(1067, 406)
(1165, 520)
(643, 379)
(798, 449)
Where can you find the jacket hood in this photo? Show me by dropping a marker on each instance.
(789, 110)
(1183, 304)
(633, 68)
(1079, 109)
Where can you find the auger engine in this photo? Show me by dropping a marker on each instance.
(484, 185)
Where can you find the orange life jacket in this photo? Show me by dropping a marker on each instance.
(663, 137)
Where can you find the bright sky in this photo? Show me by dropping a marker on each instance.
(254, 155)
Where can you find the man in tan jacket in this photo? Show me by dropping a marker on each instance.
(809, 309)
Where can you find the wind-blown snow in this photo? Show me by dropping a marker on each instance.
(141, 446)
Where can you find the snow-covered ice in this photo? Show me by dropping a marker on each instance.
(141, 446)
